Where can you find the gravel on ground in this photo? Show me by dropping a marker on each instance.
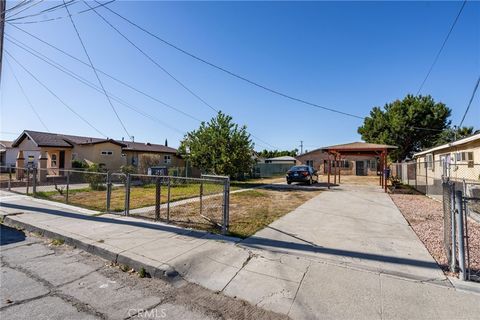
(425, 215)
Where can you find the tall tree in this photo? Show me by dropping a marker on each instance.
(219, 147)
(411, 124)
(452, 134)
(277, 153)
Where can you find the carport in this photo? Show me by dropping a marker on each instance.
(338, 152)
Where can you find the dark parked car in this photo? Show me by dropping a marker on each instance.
(302, 174)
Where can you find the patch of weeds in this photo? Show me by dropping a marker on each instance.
(142, 273)
(101, 241)
(57, 242)
(251, 194)
(124, 268)
(97, 214)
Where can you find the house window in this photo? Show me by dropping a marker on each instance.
(372, 164)
(430, 161)
(167, 159)
(310, 163)
(470, 159)
(107, 153)
(53, 160)
(31, 160)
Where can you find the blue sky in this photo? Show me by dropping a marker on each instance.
(349, 56)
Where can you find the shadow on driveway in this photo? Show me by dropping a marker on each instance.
(253, 242)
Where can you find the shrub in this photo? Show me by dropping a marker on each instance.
(96, 181)
(79, 164)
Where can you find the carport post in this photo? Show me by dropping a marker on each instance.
(329, 169)
(339, 168)
(386, 169)
(34, 181)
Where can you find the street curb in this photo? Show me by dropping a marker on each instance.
(163, 271)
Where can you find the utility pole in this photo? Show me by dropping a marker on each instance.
(3, 8)
(301, 146)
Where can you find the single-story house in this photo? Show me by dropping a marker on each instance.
(8, 154)
(459, 160)
(283, 160)
(355, 158)
(59, 150)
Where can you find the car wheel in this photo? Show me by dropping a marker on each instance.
(289, 182)
(311, 181)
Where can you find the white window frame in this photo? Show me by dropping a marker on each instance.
(167, 159)
(429, 161)
(53, 160)
(107, 153)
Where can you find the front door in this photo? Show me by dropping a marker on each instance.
(61, 163)
(359, 168)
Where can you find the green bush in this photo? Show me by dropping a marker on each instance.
(79, 164)
(96, 181)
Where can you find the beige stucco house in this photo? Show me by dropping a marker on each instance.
(54, 152)
(360, 164)
(459, 160)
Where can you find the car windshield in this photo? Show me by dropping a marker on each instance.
(299, 168)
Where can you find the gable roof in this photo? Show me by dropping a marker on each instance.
(147, 147)
(46, 139)
(6, 144)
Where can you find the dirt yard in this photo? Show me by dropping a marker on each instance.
(250, 210)
(425, 215)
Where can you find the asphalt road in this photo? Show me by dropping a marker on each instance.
(41, 280)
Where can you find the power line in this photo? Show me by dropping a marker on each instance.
(90, 84)
(162, 68)
(77, 77)
(231, 72)
(26, 97)
(55, 18)
(18, 5)
(47, 10)
(470, 102)
(152, 60)
(442, 46)
(29, 7)
(95, 71)
(104, 73)
(54, 94)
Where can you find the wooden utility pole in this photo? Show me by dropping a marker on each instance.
(3, 8)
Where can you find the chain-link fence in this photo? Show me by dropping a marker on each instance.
(471, 197)
(181, 200)
(427, 176)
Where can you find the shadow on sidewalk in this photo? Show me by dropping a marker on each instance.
(252, 242)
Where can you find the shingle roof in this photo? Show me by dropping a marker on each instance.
(46, 139)
(147, 147)
(6, 144)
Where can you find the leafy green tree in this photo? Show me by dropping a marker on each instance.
(411, 124)
(219, 147)
(453, 133)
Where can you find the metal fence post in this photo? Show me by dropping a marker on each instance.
(34, 182)
(226, 201)
(109, 190)
(201, 197)
(28, 180)
(426, 179)
(158, 194)
(127, 195)
(168, 200)
(460, 234)
(9, 178)
(453, 262)
(68, 186)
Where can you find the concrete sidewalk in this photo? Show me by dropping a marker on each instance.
(347, 253)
